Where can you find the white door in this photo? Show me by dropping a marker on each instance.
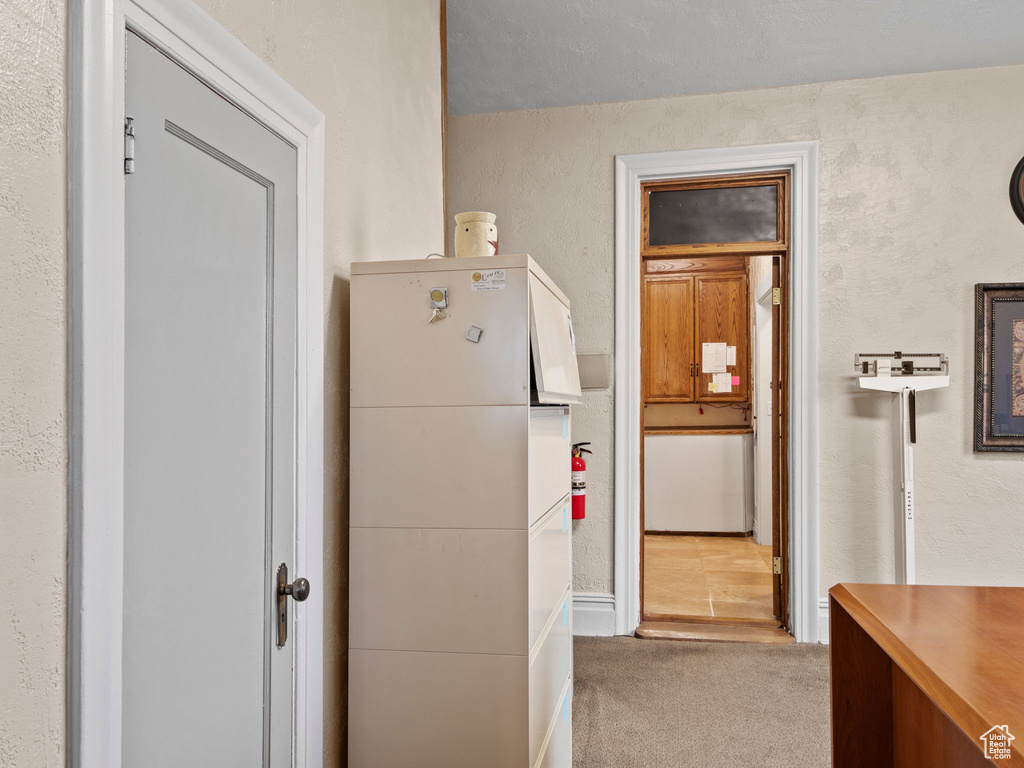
(763, 414)
(210, 393)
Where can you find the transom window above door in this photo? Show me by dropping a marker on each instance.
(727, 213)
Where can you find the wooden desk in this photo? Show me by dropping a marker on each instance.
(919, 673)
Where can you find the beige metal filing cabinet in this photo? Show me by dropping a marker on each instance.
(460, 609)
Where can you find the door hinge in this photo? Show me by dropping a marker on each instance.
(129, 145)
(777, 565)
(776, 295)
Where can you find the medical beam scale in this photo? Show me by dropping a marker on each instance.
(904, 375)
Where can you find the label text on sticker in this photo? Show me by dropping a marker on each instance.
(488, 280)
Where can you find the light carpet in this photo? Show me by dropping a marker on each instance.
(673, 704)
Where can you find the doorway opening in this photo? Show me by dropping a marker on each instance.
(715, 261)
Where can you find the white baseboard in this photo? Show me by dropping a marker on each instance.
(593, 614)
(823, 621)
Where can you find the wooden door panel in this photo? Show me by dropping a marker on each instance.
(780, 437)
(778, 477)
(668, 350)
(723, 315)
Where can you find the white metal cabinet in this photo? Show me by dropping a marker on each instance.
(460, 626)
(698, 483)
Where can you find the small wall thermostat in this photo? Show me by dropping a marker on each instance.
(439, 297)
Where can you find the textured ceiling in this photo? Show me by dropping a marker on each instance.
(521, 54)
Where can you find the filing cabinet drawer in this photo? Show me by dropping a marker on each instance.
(437, 710)
(424, 589)
(558, 751)
(550, 567)
(409, 473)
(549, 459)
(549, 668)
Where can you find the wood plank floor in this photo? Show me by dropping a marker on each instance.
(714, 633)
(707, 577)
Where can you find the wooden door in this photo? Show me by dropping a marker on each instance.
(780, 439)
(668, 343)
(723, 316)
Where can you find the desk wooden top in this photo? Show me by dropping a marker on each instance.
(962, 646)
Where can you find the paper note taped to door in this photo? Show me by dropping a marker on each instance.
(730, 355)
(488, 280)
(722, 382)
(712, 358)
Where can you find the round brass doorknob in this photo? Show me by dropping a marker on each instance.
(298, 589)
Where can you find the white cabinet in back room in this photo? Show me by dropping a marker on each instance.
(460, 586)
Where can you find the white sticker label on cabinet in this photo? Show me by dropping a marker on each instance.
(488, 280)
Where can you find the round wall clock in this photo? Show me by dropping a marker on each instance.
(1017, 190)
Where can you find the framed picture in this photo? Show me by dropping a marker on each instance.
(999, 367)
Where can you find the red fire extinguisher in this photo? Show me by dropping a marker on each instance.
(579, 481)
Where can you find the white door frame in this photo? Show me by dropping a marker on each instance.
(188, 35)
(801, 159)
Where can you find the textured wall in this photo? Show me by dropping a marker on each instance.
(33, 455)
(914, 212)
(372, 67)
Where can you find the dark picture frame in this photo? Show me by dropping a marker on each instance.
(999, 367)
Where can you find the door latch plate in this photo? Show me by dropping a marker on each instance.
(282, 606)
